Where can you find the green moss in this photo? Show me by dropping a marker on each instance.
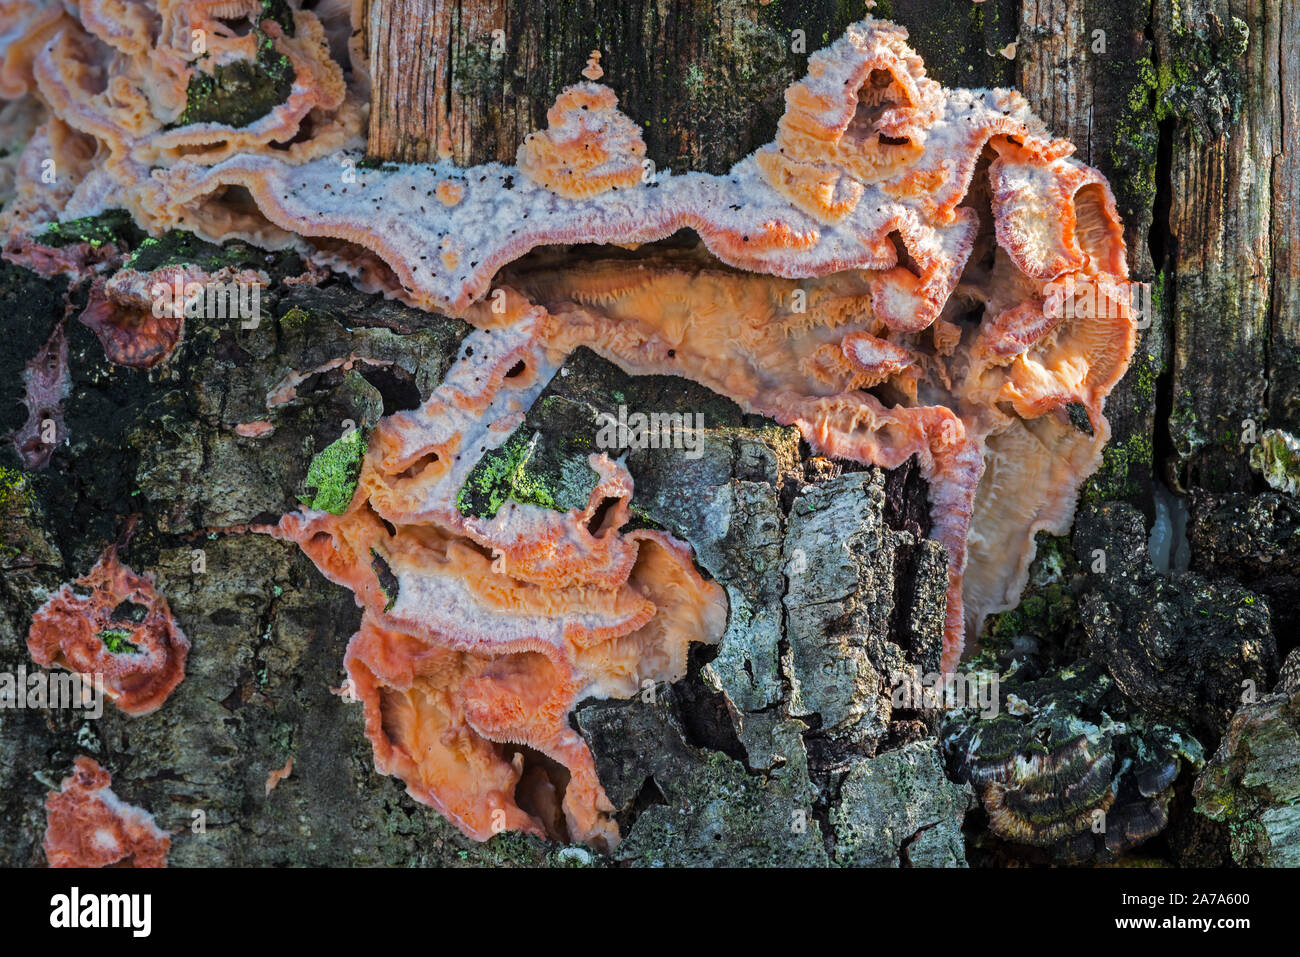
(1144, 374)
(237, 94)
(116, 641)
(111, 226)
(332, 475)
(15, 489)
(1136, 141)
(510, 472)
(1123, 467)
(179, 248)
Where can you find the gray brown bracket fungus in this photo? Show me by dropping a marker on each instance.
(1063, 767)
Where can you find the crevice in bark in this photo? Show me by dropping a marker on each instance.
(1163, 250)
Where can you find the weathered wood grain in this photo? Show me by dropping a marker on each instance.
(1220, 226)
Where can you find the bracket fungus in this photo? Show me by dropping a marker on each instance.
(87, 825)
(479, 635)
(113, 622)
(1063, 765)
(589, 146)
(907, 271)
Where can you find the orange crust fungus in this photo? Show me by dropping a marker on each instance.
(479, 635)
(589, 147)
(87, 825)
(907, 271)
(122, 83)
(113, 622)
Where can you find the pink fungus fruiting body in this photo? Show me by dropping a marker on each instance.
(87, 825)
(906, 271)
(113, 623)
(139, 317)
(276, 775)
(46, 383)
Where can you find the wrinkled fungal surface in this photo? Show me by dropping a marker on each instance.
(906, 272)
(90, 826)
(115, 624)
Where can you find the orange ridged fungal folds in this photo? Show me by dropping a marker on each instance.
(87, 825)
(588, 148)
(907, 270)
(479, 635)
(116, 77)
(113, 623)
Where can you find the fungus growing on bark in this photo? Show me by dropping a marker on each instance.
(113, 622)
(989, 234)
(139, 317)
(907, 271)
(259, 428)
(588, 148)
(1056, 768)
(87, 825)
(47, 383)
(479, 635)
(276, 775)
(159, 84)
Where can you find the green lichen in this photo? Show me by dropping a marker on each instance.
(116, 640)
(332, 476)
(1136, 142)
(1199, 80)
(737, 818)
(237, 94)
(1277, 458)
(1194, 81)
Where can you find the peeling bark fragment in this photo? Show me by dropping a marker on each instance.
(1253, 783)
(843, 568)
(696, 808)
(899, 810)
